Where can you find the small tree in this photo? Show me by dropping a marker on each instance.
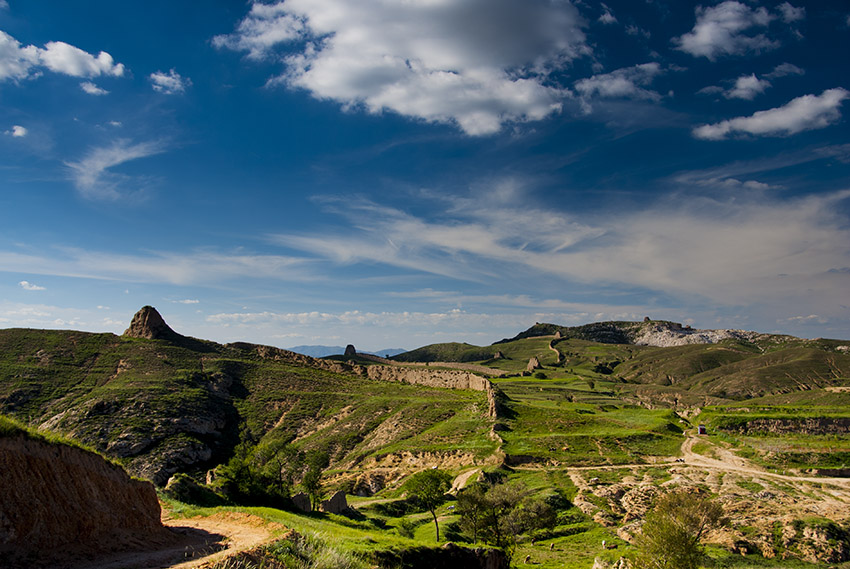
(429, 487)
(312, 480)
(499, 513)
(670, 537)
(471, 506)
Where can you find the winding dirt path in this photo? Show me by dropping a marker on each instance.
(199, 543)
(728, 461)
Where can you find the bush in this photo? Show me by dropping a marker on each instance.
(406, 528)
(670, 537)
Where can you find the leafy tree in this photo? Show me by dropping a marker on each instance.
(497, 514)
(258, 475)
(670, 537)
(317, 461)
(471, 506)
(276, 462)
(429, 487)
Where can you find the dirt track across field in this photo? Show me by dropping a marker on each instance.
(728, 461)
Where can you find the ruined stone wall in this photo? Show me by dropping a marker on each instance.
(424, 375)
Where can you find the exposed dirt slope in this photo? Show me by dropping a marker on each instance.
(59, 501)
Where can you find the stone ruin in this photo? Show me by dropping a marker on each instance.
(302, 502)
(336, 504)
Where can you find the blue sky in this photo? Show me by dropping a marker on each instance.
(392, 174)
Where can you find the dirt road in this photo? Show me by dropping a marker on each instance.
(199, 542)
(727, 461)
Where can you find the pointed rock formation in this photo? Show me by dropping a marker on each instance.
(350, 350)
(533, 364)
(147, 323)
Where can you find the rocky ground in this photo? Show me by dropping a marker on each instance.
(771, 514)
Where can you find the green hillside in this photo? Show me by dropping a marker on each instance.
(594, 431)
(162, 408)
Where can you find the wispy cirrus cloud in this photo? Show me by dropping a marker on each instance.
(44, 316)
(419, 326)
(158, 267)
(92, 175)
(473, 64)
(682, 247)
(808, 112)
(784, 70)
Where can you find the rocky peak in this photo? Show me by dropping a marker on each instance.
(147, 323)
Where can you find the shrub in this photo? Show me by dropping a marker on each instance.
(406, 528)
(670, 537)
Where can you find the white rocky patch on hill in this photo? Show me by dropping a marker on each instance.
(666, 335)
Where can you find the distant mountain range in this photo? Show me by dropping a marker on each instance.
(322, 351)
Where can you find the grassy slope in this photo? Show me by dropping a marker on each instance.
(178, 395)
(578, 414)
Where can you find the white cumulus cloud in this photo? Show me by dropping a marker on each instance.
(16, 61)
(64, 58)
(170, 83)
(747, 87)
(607, 17)
(26, 285)
(722, 30)
(628, 82)
(18, 131)
(791, 13)
(20, 62)
(477, 64)
(808, 112)
(92, 89)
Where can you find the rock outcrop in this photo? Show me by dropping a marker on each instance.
(147, 323)
(806, 425)
(59, 502)
(647, 333)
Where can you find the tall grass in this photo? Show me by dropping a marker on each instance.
(310, 551)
